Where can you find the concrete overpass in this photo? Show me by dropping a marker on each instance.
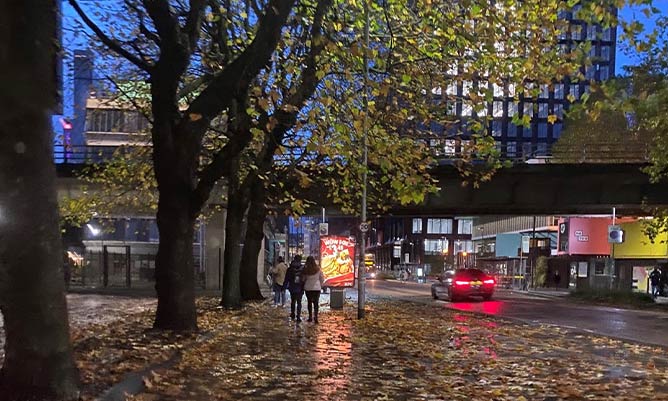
(545, 189)
(523, 189)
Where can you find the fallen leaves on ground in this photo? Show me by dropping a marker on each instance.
(404, 351)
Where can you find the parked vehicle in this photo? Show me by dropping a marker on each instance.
(454, 285)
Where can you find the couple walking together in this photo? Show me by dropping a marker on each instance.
(299, 281)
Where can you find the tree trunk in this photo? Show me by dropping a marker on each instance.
(174, 270)
(236, 207)
(257, 213)
(38, 361)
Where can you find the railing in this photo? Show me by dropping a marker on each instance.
(82, 154)
(610, 153)
(592, 153)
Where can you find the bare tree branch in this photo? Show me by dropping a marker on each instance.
(165, 23)
(194, 22)
(283, 119)
(143, 29)
(193, 85)
(112, 44)
(237, 76)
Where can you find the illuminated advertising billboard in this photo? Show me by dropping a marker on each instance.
(336, 261)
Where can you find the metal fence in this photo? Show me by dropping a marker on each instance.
(120, 267)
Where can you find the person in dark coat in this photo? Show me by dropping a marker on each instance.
(655, 281)
(295, 285)
(557, 279)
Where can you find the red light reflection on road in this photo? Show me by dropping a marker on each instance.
(492, 307)
(488, 307)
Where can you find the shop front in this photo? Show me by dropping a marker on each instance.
(638, 255)
(583, 260)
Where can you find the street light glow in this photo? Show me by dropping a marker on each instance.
(93, 230)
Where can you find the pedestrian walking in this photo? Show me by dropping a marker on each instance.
(655, 281)
(293, 278)
(313, 279)
(278, 274)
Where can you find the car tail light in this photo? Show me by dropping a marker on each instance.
(461, 282)
(489, 281)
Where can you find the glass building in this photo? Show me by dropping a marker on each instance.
(516, 141)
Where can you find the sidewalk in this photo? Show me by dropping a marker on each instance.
(401, 351)
(538, 293)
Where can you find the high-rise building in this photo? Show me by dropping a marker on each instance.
(83, 83)
(516, 141)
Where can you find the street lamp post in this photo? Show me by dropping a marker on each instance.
(365, 98)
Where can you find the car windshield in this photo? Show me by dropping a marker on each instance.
(471, 273)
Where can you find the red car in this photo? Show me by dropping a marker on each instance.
(463, 283)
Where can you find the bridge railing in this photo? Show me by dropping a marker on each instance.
(589, 153)
(594, 152)
(82, 154)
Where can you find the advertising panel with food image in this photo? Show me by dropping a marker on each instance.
(336, 261)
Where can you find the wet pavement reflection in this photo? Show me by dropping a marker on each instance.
(406, 351)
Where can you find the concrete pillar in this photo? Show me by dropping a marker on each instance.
(214, 250)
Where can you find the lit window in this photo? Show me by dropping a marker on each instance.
(465, 226)
(466, 88)
(575, 91)
(498, 108)
(559, 110)
(451, 89)
(435, 246)
(511, 149)
(450, 147)
(450, 108)
(542, 110)
(511, 90)
(528, 109)
(544, 92)
(439, 226)
(556, 130)
(417, 226)
(512, 109)
(498, 90)
(467, 109)
(497, 128)
(463, 246)
(559, 91)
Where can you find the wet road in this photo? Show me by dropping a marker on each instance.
(642, 326)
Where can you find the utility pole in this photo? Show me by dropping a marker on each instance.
(361, 269)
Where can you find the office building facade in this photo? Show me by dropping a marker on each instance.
(538, 103)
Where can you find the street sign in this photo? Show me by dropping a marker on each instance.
(615, 234)
(364, 227)
(323, 229)
(526, 241)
